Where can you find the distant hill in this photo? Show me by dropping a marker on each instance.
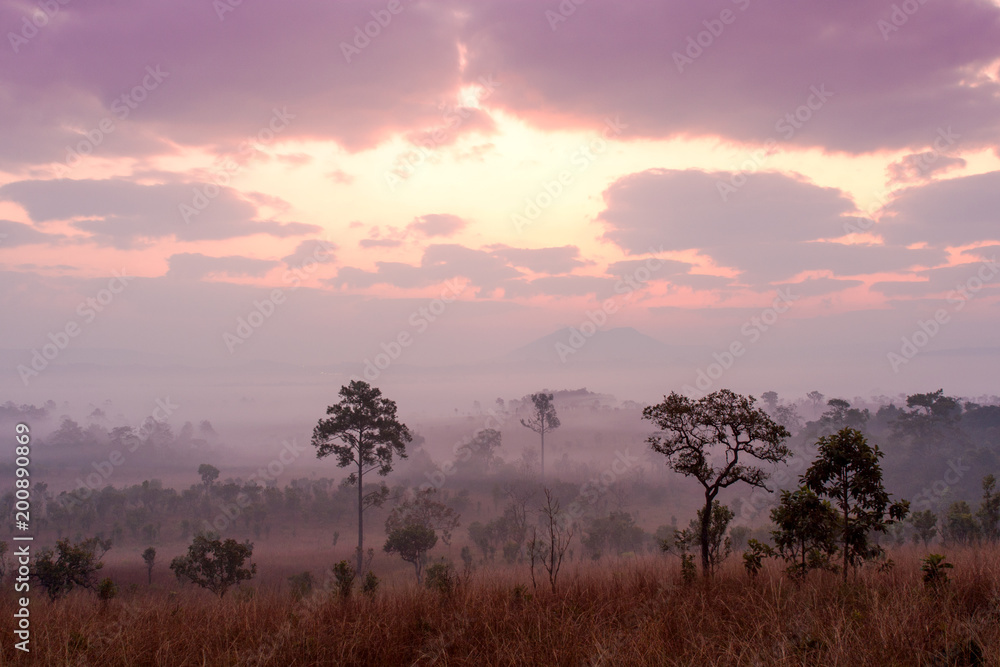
(618, 346)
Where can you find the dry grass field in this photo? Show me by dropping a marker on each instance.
(627, 612)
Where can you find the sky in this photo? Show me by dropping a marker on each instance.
(785, 194)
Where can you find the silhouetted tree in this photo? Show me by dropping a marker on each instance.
(989, 509)
(693, 432)
(925, 525)
(208, 474)
(806, 534)
(215, 564)
(847, 471)
(149, 556)
(543, 418)
(363, 432)
(412, 542)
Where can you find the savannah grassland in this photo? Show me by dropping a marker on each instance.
(612, 612)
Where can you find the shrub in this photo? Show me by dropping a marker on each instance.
(302, 584)
(934, 568)
(344, 573)
(441, 577)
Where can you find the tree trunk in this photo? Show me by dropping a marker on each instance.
(706, 521)
(844, 506)
(361, 524)
(543, 451)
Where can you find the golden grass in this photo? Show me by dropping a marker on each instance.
(628, 612)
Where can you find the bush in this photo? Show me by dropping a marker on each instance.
(441, 577)
(370, 587)
(302, 584)
(934, 569)
(344, 573)
(107, 590)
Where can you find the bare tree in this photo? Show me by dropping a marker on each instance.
(551, 549)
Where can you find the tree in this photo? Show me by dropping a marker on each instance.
(208, 474)
(806, 532)
(68, 567)
(770, 399)
(423, 509)
(989, 509)
(483, 448)
(551, 549)
(847, 472)
(719, 545)
(412, 542)
(542, 419)
(694, 431)
(362, 432)
(925, 525)
(215, 564)
(960, 524)
(149, 556)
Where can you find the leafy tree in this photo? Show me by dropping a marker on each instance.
(925, 525)
(815, 397)
(149, 556)
(542, 419)
(932, 419)
(806, 530)
(847, 471)
(68, 567)
(989, 510)
(694, 432)
(960, 524)
(411, 542)
(770, 399)
(842, 415)
(208, 474)
(422, 508)
(215, 564)
(483, 447)
(615, 532)
(362, 432)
